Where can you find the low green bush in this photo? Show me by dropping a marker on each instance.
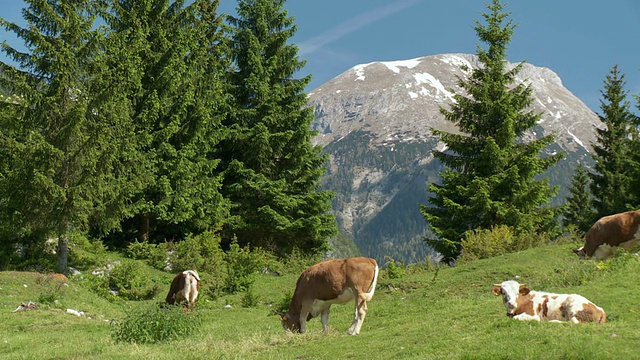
(242, 267)
(395, 269)
(499, 240)
(132, 280)
(155, 323)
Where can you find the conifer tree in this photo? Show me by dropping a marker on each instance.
(63, 148)
(578, 210)
(635, 156)
(613, 180)
(490, 175)
(166, 61)
(272, 170)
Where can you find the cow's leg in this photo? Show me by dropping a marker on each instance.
(325, 318)
(527, 317)
(361, 311)
(303, 318)
(186, 293)
(194, 296)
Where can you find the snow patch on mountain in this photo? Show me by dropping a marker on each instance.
(395, 65)
(426, 78)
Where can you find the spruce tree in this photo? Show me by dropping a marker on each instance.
(578, 210)
(613, 179)
(635, 156)
(272, 170)
(166, 61)
(490, 173)
(62, 149)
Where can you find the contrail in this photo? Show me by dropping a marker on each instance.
(358, 22)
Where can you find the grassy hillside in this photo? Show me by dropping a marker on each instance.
(448, 313)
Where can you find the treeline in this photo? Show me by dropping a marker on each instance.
(157, 120)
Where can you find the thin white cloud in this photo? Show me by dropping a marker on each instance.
(352, 25)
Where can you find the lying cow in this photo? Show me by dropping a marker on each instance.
(184, 287)
(609, 232)
(525, 304)
(330, 282)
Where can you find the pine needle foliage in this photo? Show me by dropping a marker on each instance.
(271, 169)
(614, 178)
(491, 175)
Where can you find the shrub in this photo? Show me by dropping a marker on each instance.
(85, 253)
(96, 284)
(395, 269)
(499, 240)
(250, 298)
(242, 266)
(201, 252)
(132, 280)
(155, 323)
(152, 254)
(297, 261)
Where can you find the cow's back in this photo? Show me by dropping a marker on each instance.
(329, 278)
(613, 230)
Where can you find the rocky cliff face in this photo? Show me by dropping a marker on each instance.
(374, 121)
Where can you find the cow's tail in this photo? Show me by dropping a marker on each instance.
(372, 288)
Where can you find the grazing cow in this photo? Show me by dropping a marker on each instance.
(525, 304)
(330, 282)
(184, 287)
(609, 232)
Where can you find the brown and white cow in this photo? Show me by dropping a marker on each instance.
(336, 281)
(525, 304)
(184, 287)
(609, 232)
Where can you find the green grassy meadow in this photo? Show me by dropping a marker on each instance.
(446, 313)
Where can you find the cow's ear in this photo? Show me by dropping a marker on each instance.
(496, 291)
(524, 291)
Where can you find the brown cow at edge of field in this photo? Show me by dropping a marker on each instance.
(184, 287)
(336, 281)
(609, 232)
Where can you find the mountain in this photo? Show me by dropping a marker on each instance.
(374, 121)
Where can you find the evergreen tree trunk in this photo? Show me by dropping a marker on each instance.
(145, 227)
(63, 254)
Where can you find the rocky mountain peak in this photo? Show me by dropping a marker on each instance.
(374, 121)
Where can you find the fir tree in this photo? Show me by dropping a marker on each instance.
(635, 156)
(272, 170)
(63, 147)
(166, 62)
(490, 176)
(613, 179)
(578, 210)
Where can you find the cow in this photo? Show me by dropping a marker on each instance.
(609, 232)
(525, 304)
(184, 287)
(329, 282)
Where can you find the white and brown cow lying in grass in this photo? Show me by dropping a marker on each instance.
(609, 232)
(525, 304)
(330, 282)
(184, 287)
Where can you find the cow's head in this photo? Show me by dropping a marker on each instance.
(580, 252)
(289, 322)
(510, 290)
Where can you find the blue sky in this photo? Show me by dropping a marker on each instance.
(579, 40)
